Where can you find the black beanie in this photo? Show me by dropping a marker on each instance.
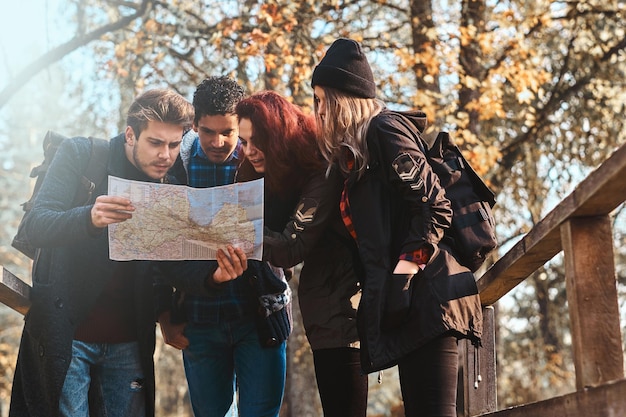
(345, 68)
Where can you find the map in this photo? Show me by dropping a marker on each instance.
(176, 222)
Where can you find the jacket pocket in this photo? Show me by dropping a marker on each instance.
(448, 280)
(398, 297)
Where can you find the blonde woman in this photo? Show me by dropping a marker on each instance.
(417, 300)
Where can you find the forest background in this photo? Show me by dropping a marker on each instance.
(533, 91)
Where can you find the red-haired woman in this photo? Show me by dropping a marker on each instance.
(303, 224)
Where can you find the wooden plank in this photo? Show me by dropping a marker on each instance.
(14, 292)
(540, 245)
(592, 298)
(480, 397)
(599, 194)
(603, 401)
(604, 189)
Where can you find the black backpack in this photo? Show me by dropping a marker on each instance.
(473, 231)
(95, 173)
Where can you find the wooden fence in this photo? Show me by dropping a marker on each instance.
(580, 226)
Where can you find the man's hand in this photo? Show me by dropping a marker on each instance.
(173, 334)
(110, 209)
(230, 265)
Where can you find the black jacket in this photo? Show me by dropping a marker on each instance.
(328, 290)
(398, 206)
(72, 271)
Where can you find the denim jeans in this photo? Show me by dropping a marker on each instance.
(113, 373)
(219, 352)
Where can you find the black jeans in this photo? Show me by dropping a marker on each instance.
(340, 381)
(428, 378)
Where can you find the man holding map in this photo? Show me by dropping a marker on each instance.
(88, 340)
(218, 336)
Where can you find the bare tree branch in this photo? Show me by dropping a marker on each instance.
(61, 51)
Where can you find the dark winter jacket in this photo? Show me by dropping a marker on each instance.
(328, 288)
(72, 271)
(398, 206)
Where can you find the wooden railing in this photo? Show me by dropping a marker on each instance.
(579, 226)
(14, 292)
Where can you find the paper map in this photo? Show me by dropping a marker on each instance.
(176, 222)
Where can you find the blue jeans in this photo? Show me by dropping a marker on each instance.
(218, 352)
(113, 373)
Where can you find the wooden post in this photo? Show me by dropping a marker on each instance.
(592, 296)
(14, 292)
(480, 397)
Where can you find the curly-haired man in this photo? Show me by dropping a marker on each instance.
(215, 324)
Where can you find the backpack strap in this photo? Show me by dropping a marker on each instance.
(95, 171)
(473, 217)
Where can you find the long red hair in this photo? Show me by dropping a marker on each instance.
(286, 136)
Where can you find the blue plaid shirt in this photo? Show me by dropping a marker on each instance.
(202, 173)
(234, 299)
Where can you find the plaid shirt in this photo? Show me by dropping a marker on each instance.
(234, 299)
(344, 208)
(202, 173)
